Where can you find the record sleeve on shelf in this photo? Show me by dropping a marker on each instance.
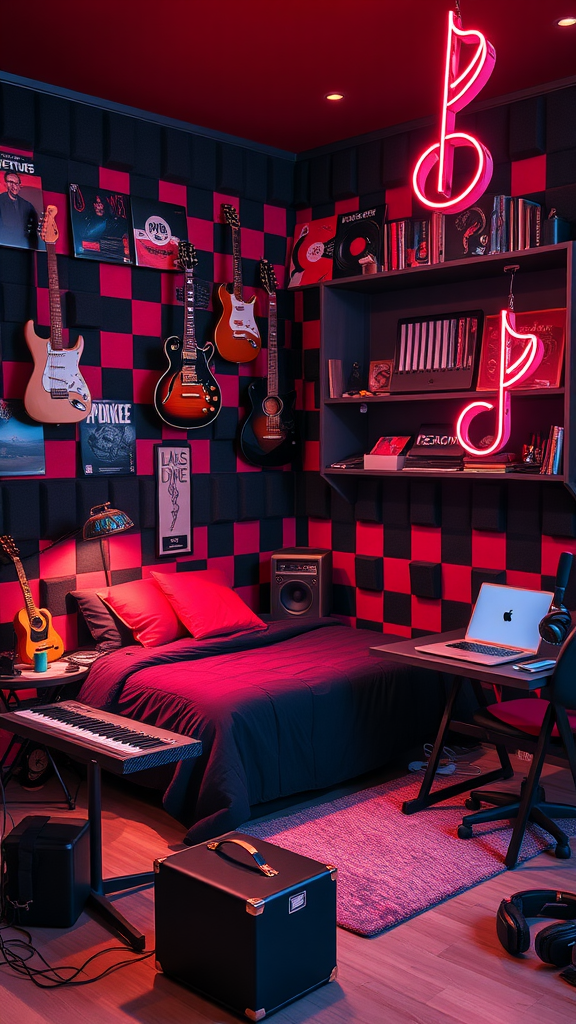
(468, 233)
(312, 252)
(21, 441)
(101, 226)
(108, 439)
(158, 227)
(547, 324)
(21, 202)
(358, 234)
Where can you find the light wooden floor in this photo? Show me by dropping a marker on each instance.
(442, 967)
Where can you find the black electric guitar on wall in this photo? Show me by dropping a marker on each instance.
(268, 436)
(187, 394)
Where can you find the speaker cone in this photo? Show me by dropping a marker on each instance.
(296, 597)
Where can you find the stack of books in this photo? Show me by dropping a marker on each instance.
(552, 454)
(435, 450)
(388, 453)
(516, 224)
(406, 243)
(499, 462)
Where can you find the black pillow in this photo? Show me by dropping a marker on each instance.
(106, 629)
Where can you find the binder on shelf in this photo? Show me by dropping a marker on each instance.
(436, 353)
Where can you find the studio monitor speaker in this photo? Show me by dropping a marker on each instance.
(301, 583)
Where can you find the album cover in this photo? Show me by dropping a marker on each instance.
(101, 226)
(358, 235)
(547, 324)
(108, 439)
(312, 252)
(21, 442)
(21, 203)
(157, 227)
(468, 233)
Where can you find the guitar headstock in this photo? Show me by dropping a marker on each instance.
(8, 546)
(231, 215)
(187, 257)
(268, 276)
(48, 229)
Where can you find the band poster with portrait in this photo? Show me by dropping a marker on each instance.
(21, 202)
(101, 224)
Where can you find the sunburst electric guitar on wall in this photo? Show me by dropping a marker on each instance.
(268, 436)
(32, 625)
(187, 394)
(237, 336)
(56, 391)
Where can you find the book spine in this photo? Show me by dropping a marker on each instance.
(557, 463)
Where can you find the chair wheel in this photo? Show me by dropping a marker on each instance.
(563, 852)
(464, 832)
(473, 803)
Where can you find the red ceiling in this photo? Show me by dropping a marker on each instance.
(260, 69)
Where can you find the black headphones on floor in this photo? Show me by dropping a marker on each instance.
(554, 943)
(556, 625)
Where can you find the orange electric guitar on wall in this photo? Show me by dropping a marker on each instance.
(56, 391)
(237, 336)
(33, 626)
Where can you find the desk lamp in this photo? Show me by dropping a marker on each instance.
(104, 522)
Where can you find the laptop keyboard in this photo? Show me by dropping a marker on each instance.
(490, 649)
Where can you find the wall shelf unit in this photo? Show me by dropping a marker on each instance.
(359, 318)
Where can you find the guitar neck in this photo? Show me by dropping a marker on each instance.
(54, 294)
(272, 345)
(237, 260)
(31, 608)
(189, 346)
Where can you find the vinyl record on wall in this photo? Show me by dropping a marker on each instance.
(158, 227)
(358, 235)
(312, 252)
(101, 227)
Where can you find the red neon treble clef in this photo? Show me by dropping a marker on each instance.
(508, 374)
(460, 88)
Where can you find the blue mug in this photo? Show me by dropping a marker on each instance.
(40, 661)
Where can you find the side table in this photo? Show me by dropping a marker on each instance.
(50, 686)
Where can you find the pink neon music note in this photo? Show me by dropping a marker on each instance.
(460, 88)
(508, 374)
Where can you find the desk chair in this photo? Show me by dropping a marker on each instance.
(540, 727)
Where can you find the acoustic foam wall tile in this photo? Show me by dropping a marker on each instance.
(370, 167)
(83, 309)
(369, 571)
(224, 498)
(279, 494)
(480, 576)
(86, 137)
(560, 121)
(54, 594)
(57, 508)
(280, 181)
(52, 128)
(230, 168)
(119, 141)
(17, 116)
(426, 579)
(368, 507)
(320, 177)
(21, 503)
(342, 511)
(488, 506)
(344, 173)
(425, 508)
(395, 160)
(175, 155)
(203, 158)
(558, 512)
(561, 168)
(455, 615)
(527, 128)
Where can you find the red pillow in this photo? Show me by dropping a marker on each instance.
(205, 607)
(141, 605)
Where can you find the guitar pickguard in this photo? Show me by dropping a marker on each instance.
(62, 378)
(242, 321)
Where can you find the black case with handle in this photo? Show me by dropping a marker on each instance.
(246, 923)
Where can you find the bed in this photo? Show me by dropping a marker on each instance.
(300, 706)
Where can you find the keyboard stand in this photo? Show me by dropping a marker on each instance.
(97, 901)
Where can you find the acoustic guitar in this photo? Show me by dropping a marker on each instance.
(56, 391)
(268, 436)
(237, 336)
(33, 626)
(187, 394)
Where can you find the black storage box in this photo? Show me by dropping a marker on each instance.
(251, 941)
(47, 864)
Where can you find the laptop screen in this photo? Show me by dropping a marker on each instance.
(509, 616)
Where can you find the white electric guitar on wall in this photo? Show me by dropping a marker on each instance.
(56, 391)
(237, 336)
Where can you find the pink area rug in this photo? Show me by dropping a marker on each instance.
(392, 866)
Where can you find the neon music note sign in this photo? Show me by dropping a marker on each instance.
(508, 374)
(460, 88)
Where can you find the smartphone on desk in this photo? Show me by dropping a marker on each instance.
(534, 665)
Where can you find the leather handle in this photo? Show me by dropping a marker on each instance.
(258, 858)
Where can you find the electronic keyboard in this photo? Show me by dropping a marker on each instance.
(120, 745)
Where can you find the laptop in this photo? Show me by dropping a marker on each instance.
(503, 626)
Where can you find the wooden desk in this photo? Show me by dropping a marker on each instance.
(502, 675)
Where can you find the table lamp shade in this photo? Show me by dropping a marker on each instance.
(105, 522)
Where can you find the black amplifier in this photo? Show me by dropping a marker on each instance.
(246, 923)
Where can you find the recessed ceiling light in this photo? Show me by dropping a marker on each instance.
(334, 96)
(566, 22)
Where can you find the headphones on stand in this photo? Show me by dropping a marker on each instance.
(556, 625)
(553, 944)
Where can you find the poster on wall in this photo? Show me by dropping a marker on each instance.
(21, 442)
(173, 516)
(312, 252)
(21, 201)
(108, 439)
(158, 227)
(101, 226)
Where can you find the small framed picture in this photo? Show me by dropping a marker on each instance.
(173, 522)
(380, 376)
